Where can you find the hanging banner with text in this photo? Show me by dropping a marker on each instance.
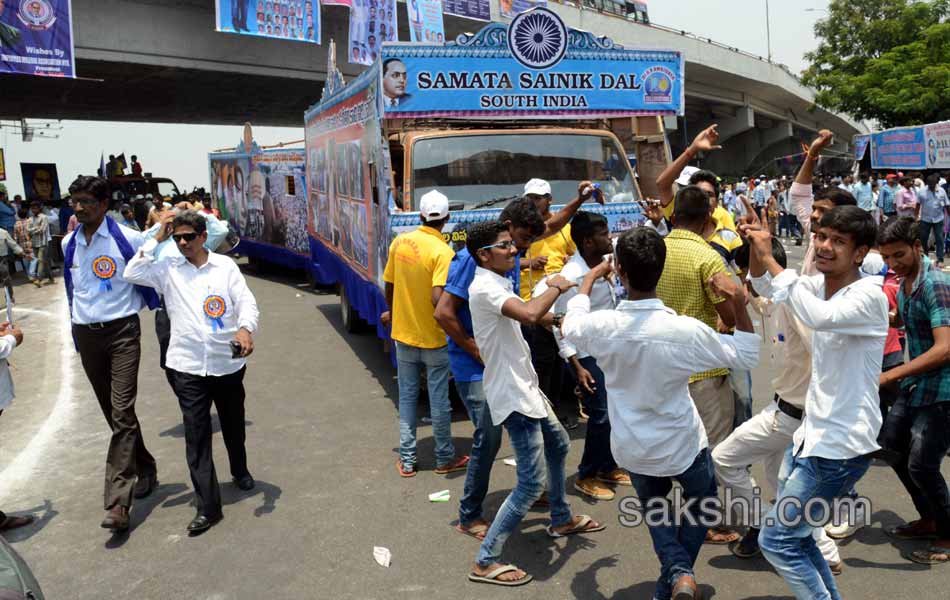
(938, 145)
(510, 9)
(36, 38)
(296, 20)
(534, 67)
(901, 148)
(478, 10)
(425, 21)
(372, 22)
(861, 143)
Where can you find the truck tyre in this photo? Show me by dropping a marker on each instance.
(352, 323)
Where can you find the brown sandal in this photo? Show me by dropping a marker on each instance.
(476, 530)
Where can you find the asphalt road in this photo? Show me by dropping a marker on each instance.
(322, 432)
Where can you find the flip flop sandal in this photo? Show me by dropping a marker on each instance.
(476, 531)
(722, 538)
(581, 527)
(927, 557)
(492, 577)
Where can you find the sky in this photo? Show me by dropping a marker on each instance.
(180, 152)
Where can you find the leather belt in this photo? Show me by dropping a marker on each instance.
(106, 324)
(789, 409)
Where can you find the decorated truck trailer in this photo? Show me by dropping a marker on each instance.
(475, 119)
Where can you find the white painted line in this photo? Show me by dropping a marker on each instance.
(19, 472)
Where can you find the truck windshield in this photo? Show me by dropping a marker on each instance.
(491, 170)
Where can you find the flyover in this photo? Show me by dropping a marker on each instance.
(162, 61)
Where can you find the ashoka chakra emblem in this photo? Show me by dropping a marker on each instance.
(537, 38)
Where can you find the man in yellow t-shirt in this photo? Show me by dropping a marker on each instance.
(546, 256)
(415, 275)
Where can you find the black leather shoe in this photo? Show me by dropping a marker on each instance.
(117, 519)
(145, 486)
(246, 483)
(202, 523)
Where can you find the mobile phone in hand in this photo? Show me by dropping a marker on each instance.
(235, 349)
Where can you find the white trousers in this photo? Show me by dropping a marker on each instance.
(763, 438)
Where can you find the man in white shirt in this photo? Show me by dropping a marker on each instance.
(648, 353)
(104, 311)
(10, 338)
(765, 437)
(848, 316)
(213, 316)
(590, 232)
(515, 399)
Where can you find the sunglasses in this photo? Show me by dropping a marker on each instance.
(188, 237)
(505, 245)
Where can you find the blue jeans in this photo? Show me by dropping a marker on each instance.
(677, 547)
(529, 438)
(788, 543)
(937, 229)
(485, 443)
(409, 363)
(597, 457)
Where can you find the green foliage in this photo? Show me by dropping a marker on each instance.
(887, 60)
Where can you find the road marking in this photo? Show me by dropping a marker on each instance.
(20, 470)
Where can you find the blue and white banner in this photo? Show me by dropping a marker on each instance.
(901, 148)
(297, 20)
(36, 38)
(510, 9)
(372, 22)
(425, 21)
(861, 143)
(478, 10)
(534, 67)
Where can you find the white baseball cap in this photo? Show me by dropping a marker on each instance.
(685, 174)
(539, 187)
(434, 206)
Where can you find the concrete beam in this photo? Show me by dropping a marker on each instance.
(776, 134)
(742, 121)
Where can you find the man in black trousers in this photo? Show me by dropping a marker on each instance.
(213, 315)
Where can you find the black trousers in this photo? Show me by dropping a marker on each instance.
(195, 396)
(551, 369)
(110, 357)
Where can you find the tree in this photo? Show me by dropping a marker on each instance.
(883, 60)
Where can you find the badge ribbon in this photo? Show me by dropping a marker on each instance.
(214, 307)
(104, 269)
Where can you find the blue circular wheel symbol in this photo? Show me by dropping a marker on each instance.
(537, 38)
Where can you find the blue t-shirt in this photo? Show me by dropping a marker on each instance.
(461, 273)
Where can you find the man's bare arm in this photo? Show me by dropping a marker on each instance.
(704, 142)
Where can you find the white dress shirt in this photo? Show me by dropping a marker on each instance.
(789, 344)
(842, 408)
(7, 344)
(198, 345)
(91, 302)
(647, 353)
(510, 381)
(602, 297)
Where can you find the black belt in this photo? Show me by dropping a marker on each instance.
(789, 409)
(107, 324)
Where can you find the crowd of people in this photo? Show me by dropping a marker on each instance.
(650, 333)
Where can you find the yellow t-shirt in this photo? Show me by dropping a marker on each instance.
(418, 261)
(724, 219)
(558, 248)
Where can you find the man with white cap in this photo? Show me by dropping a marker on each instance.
(415, 274)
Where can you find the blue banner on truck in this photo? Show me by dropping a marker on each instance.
(534, 67)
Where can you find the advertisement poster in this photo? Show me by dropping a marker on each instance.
(510, 9)
(478, 10)
(36, 38)
(938, 145)
(425, 21)
(372, 22)
(344, 145)
(534, 67)
(40, 182)
(297, 20)
(901, 148)
(3, 167)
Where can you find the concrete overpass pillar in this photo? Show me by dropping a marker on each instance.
(743, 121)
(781, 131)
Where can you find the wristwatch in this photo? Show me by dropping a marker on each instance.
(558, 317)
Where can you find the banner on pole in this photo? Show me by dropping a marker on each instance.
(296, 20)
(40, 182)
(36, 38)
(861, 143)
(510, 9)
(425, 21)
(938, 145)
(900, 148)
(478, 10)
(372, 22)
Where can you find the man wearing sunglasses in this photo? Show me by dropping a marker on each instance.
(213, 317)
(104, 309)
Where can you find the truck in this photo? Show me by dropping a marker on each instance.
(476, 118)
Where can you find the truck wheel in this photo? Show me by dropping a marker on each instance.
(352, 323)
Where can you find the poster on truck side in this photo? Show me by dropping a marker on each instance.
(36, 38)
(349, 177)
